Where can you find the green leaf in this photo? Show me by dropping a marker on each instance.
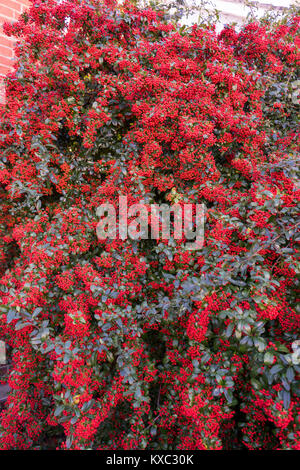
(268, 358)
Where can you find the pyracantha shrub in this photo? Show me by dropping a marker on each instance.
(128, 344)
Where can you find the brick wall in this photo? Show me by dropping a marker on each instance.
(9, 12)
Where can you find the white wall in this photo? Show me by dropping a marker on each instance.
(236, 11)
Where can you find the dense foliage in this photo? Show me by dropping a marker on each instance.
(128, 344)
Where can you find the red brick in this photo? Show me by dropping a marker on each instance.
(6, 51)
(5, 41)
(5, 11)
(6, 19)
(6, 61)
(11, 4)
(4, 69)
(9, 12)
